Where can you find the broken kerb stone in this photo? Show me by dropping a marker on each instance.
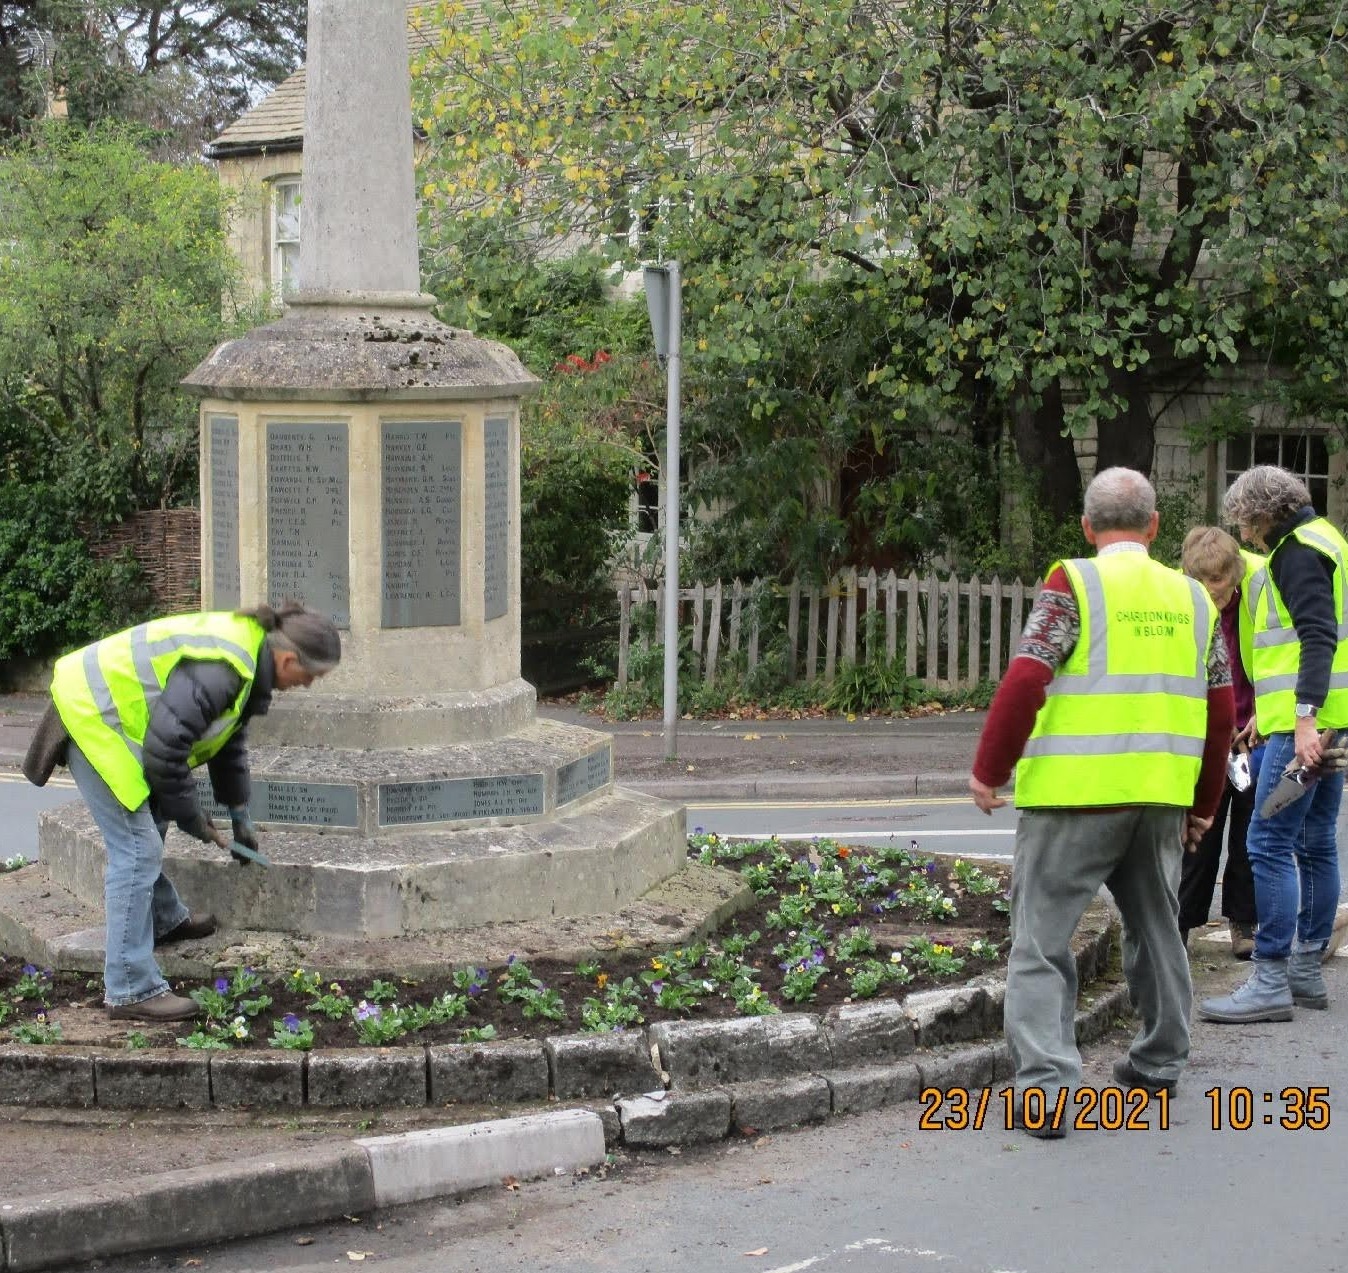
(969, 1068)
(994, 990)
(768, 1105)
(488, 1073)
(947, 1016)
(267, 1081)
(699, 1054)
(150, 1080)
(870, 1086)
(394, 1076)
(674, 1118)
(868, 1033)
(601, 1064)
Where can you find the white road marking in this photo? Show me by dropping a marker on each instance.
(795, 1268)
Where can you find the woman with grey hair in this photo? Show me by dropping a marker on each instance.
(1300, 674)
(132, 715)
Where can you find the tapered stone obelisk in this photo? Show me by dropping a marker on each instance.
(363, 457)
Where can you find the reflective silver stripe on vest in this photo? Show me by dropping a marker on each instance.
(1097, 679)
(1114, 744)
(1288, 681)
(167, 645)
(102, 695)
(1288, 636)
(217, 728)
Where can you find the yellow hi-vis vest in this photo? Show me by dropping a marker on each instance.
(1277, 649)
(1254, 563)
(1126, 716)
(106, 691)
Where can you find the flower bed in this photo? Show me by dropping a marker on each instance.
(830, 924)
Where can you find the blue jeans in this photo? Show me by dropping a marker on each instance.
(139, 901)
(1295, 860)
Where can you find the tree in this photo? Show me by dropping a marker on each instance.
(111, 286)
(1046, 218)
(185, 68)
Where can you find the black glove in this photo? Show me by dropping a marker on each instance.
(244, 830)
(203, 829)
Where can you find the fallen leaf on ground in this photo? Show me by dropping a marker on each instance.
(358, 1255)
(511, 1183)
(193, 1263)
(304, 1241)
(762, 1250)
(752, 738)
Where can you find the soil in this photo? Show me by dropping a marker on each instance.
(78, 998)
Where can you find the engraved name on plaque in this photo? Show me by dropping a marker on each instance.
(422, 515)
(293, 803)
(580, 777)
(460, 799)
(308, 556)
(222, 447)
(496, 531)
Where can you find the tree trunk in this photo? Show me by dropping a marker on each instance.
(1130, 438)
(1048, 456)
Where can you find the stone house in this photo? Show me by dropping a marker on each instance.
(260, 158)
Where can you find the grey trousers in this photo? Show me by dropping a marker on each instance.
(1063, 856)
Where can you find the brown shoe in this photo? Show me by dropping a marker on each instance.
(193, 927)
(165, 1006)
(1242, 940)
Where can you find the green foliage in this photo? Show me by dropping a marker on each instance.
(111, 285)
(53, 593)
(184, 68)
(111, 290)
(1025, 221)
(860, 688)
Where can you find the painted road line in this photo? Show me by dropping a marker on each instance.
(52, 782)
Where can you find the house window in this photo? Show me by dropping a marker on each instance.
(285, 237)
(639, 221)
(1305, 454)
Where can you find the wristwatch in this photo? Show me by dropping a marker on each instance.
(1305, 710)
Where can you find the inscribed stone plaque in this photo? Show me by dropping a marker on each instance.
(301, 804)
(496, 529)
(308, 554)
(422, 514)
(460, 799)
(585, 775)
(222, 445)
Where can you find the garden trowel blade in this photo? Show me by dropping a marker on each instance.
(246, 855)
(1291, 787)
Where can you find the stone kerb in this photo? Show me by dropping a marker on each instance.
(756, 1071)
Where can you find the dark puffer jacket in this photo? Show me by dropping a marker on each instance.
(195, 696)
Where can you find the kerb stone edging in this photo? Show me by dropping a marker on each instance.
(227, 1201)
(681, 1056)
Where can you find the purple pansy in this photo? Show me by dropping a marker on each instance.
(291, 1022)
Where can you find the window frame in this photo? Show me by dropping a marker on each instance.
(278, 246)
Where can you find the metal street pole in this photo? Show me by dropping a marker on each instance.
(671, 487)
(664, 303)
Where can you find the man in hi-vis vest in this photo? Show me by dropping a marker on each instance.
(1300, 674)
(133, 715)
(1118, 710)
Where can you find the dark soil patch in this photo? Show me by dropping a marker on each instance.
(895, 913)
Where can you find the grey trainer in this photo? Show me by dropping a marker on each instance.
(1305, 979)
(1267, 996)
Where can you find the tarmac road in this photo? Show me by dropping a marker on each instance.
(877, 1194)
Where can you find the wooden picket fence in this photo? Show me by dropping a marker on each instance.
(947, 631)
